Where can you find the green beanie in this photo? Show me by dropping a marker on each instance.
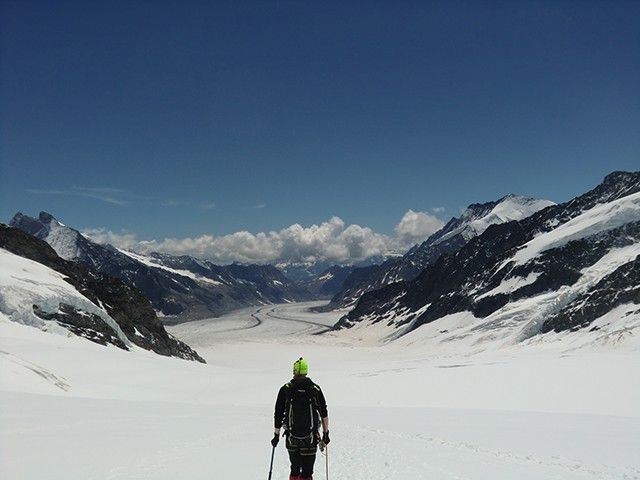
(300, 367)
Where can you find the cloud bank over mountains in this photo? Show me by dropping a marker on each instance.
(414, 227)
(332, 241)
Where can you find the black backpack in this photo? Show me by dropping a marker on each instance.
(302, 419)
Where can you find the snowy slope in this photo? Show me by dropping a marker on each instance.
(478, 217)
(182, 272)
(602, 217)
(560, 269)
(72, 409)
(25, 283)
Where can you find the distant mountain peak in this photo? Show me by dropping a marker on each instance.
(46, 217)
(64, 240)
(620, 176)
(478, 216)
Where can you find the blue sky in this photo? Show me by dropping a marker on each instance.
(185, 118)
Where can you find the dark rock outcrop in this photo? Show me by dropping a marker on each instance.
(84, 324)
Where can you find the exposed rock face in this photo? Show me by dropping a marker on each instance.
(619, 288)
(450, 238)
(84, 324)
(180, 287)
(127, 306)
(559, 269)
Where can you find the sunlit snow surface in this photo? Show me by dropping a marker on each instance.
(150, 263)
(600, 218)
(556, 407)
(25, 283)
(511, 207)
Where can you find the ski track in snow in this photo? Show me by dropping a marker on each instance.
(396, 411)
(42, 372)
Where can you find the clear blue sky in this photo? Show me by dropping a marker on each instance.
(183, 118)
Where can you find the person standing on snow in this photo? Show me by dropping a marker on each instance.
(301, 409)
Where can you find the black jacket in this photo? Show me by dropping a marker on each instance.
(283, 395)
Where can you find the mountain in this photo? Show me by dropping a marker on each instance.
(39, 288)
(324, 279)
(183, 287)
(328, 282)
(250, 284)
(456, 233)
(308, 272)
(567, 267)
(303, 272)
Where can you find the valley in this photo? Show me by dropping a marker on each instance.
(397, 409)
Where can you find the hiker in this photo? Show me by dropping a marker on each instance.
(301, 409)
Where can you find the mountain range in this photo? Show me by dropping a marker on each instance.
(180, 288)
(512, 269)
(455, 234)
(566, 267)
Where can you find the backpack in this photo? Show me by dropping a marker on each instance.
(302, 419)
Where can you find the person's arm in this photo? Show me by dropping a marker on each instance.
(325, 424)
(278, 414)
(324, 415)
(322, 409)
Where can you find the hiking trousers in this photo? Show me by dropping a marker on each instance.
(301, 465)
(302, 455)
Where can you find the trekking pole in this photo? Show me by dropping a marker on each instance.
(273, 451)
(326, 460)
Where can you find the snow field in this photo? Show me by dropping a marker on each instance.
(398, 410)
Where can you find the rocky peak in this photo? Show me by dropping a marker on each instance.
(66, 241)
(46, 218)
(26, 224)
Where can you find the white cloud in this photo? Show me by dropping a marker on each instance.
(123, 240)
(438, 209)
(415, 227)
(331, 240)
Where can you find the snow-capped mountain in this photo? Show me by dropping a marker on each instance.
(566, 267)
(328, 282)
(456, 233)
(41, 289)
(181, 287)
(308, 272)
(324, 279)
(303, 272)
